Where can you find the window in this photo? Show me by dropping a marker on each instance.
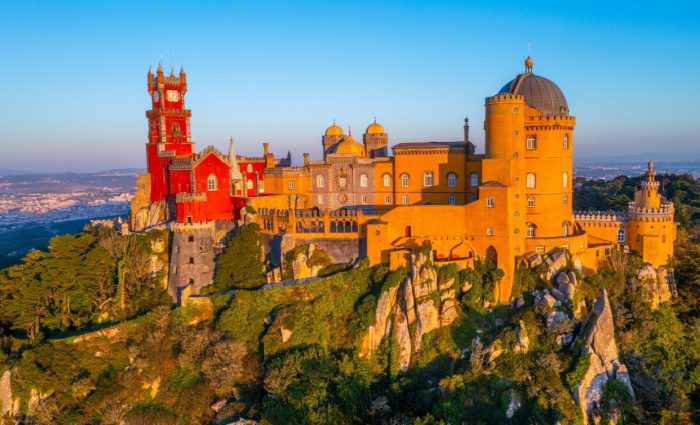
(290, 185)
(565, 142)
(451, 180)
(565, 230)
(451, 200)
(387, 199)
(404, 180)
(565, 200)
(489, 202)
(530, 181)
(176, 130)
(364, 199)
(404, 199)
(249, 184)
(261, 186)
(249, 169)
(565, 179)
(320, 182)
(474, 179)
(621, 235)
(191, 260)
(531, 202)
(190, 238)
(386, 180)
(489, 231)
(363, 180)
(539, 249)
(531, 231)
(428, 179)
(531, 142)
(211, 182)
(472, 197)
(342, 181)
(320, 200)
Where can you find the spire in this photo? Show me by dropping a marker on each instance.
(182, 70)
(650, 166)
(150, 71)
(172, 72)
(160, 68)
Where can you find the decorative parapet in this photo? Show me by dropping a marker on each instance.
(189, 227)
(664, 213)
(600, 217)
(191, 197)
(166, 154)
(286, 171)
(181, 164)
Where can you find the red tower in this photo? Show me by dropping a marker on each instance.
(168, 128)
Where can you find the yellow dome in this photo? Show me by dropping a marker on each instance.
(349, 145)
(334, 130)
(375, 128)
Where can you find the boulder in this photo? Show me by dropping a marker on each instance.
(566, 284)
(427, 320)
(448, 312)
(8, 407)
(522, 342)
(532, 259)
(403, 340)
(598, 337)
(559, 323)
(555, 261)
(665, 285)
(285, 333)
(300, 265)
(513, 404)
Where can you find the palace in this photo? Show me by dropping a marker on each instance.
(512, 203)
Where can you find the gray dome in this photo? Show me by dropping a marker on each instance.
(539, 92)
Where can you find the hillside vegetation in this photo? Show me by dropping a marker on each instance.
(90, 337)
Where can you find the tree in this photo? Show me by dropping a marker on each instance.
(240, 265)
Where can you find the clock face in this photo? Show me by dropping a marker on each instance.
(156, 96)
(172, 95)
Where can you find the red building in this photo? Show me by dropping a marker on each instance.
(196, 187)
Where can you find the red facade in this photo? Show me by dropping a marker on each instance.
(198, 185)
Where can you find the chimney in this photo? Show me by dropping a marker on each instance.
(306, 159)
(266, 149)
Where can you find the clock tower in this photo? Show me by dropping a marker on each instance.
(168, 128)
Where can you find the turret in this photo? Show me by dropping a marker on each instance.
(183, 79)
(466, 129)
(149, 80)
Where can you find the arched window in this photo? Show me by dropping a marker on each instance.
(530, 181)
(404, 180)
(531, 231)
(474, 179)
(565, 229)
(363, 180)
(428, 179)
(249, 184)
(621, 235)
(176, 130)
(451, 180)
(320, 182)
(386, 180)
(565, 179)
(342, 181)
(249, 168)
(211, 182)
(565, 141)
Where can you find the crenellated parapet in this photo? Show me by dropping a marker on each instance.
(191, 197)
(602, 217)
(191, 227)
(664, 213)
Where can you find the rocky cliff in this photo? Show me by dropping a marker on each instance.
(417, 306)
(598, 341)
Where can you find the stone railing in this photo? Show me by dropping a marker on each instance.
(600, 216)
(188, 227)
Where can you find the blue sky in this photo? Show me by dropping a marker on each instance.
(73, 74)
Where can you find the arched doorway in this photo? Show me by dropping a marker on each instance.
(492, 256)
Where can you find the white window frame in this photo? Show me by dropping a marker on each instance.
(405, 180)
(531, 142)
(565, 179)
(320, 181)
(342, 181)
(290, 185)
(261, 186)
(490, 202)
(364, 181)
(364, 199)
(211, 183)
(319, 200)
(405, 200)
(531, 181)
(531, 202)
(489, 231)
(565, 200)
(451, 180)
(531, 231)
(249, 184)
(565, 141)
(386, 179)
(387, 199)
(621, 236)
(428, 179)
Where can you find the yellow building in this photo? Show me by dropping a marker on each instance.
(512, 201)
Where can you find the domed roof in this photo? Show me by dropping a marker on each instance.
(350, 146)
(334, 130)
(375, 128)
(539, 92)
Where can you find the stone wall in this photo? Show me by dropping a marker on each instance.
(191, 260)
(340, 250)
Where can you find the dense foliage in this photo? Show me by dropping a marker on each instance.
(294, 354)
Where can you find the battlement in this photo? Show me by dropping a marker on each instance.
(664, 213)
(600, 216)
(191, 197)
(191, 227)
(504, 98)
